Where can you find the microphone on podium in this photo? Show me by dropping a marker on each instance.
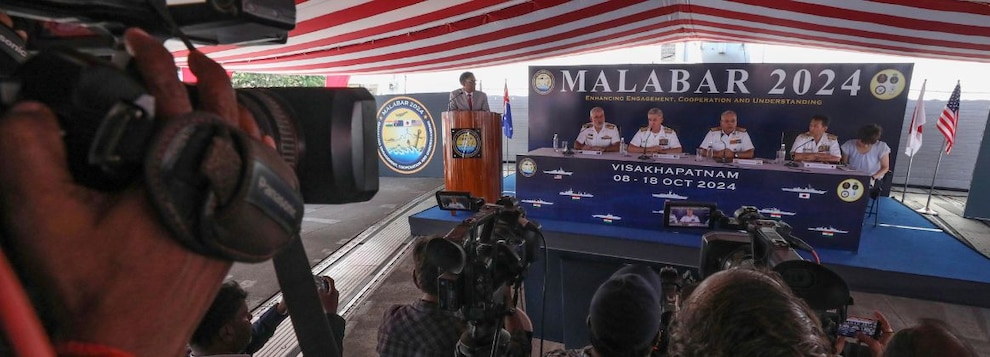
(450, 104)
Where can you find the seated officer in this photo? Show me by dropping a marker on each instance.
(598, 134)
(816, 144)
(727, 140)
(655, 138)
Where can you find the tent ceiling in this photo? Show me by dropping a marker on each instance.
(403, 36)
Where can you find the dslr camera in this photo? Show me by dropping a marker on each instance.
(211, 183)
(482, 260)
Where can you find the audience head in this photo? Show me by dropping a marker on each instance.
(624, 316)
(869, 133)
(426, 272)
(928, 339)
(226, 327)
(745, 312)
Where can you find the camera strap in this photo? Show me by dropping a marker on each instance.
(308, 318)
(221, 192)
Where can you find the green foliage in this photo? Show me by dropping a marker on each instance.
(251, 80)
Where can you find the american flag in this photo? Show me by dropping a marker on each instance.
(949, 120)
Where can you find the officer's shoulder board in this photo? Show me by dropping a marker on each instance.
(717, 128)
(609, 126)
(587, 125)
(740, 129)
(668, 130)
(644, 128)
(832, 137)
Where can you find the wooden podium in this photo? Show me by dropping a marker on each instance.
(472, 153)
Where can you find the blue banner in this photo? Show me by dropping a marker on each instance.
(824, 206)
(771, 100)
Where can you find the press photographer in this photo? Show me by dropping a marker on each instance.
(471, 280)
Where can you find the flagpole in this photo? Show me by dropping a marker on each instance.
(927, 210)
(907, 178)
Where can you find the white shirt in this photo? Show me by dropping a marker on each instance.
(607, 136)
(806, 144)
(690, 219)
(736, 141)
(665, 139)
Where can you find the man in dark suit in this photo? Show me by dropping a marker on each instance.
(466, 97)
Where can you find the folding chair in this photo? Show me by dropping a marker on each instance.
(873, 207)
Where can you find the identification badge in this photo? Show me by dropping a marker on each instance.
(664, 142)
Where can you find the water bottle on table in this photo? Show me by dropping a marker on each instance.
(556, 143)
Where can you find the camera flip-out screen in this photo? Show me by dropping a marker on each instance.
(688, 214)
(457, 201)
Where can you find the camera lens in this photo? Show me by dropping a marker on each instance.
(326, 134)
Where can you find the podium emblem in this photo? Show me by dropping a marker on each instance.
(467, 143)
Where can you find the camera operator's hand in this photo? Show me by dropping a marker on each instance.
(109, 272)
(876, 346)
(330, 298)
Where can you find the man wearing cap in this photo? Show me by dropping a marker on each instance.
(624, 316)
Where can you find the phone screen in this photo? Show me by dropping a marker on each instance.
(855, 324)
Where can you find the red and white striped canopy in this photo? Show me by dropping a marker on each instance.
(405, 36)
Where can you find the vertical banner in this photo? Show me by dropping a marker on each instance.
(408, 134)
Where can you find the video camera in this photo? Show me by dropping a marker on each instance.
(482, 259)
(748, 239)
(204, 177)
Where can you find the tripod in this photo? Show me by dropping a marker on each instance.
(484, 339)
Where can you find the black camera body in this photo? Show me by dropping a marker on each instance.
(220, 191)
(747, 239)
(481, 260)
(482, 256)
(208, 21)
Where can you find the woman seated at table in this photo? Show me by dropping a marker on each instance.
(867, 153)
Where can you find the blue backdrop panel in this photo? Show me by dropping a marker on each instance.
(408, 134)
(772, 100)
(824, 206)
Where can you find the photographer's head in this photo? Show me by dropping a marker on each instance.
(624, 316)
(928, 339)
(426, 273)
(226, 327)
(744, 312)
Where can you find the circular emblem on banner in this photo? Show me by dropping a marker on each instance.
(850, 190)
(887, 84)
(543, 82)
(406, 135)
(527, 167)
(467, 143)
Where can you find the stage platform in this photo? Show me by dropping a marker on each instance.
(906, 255)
